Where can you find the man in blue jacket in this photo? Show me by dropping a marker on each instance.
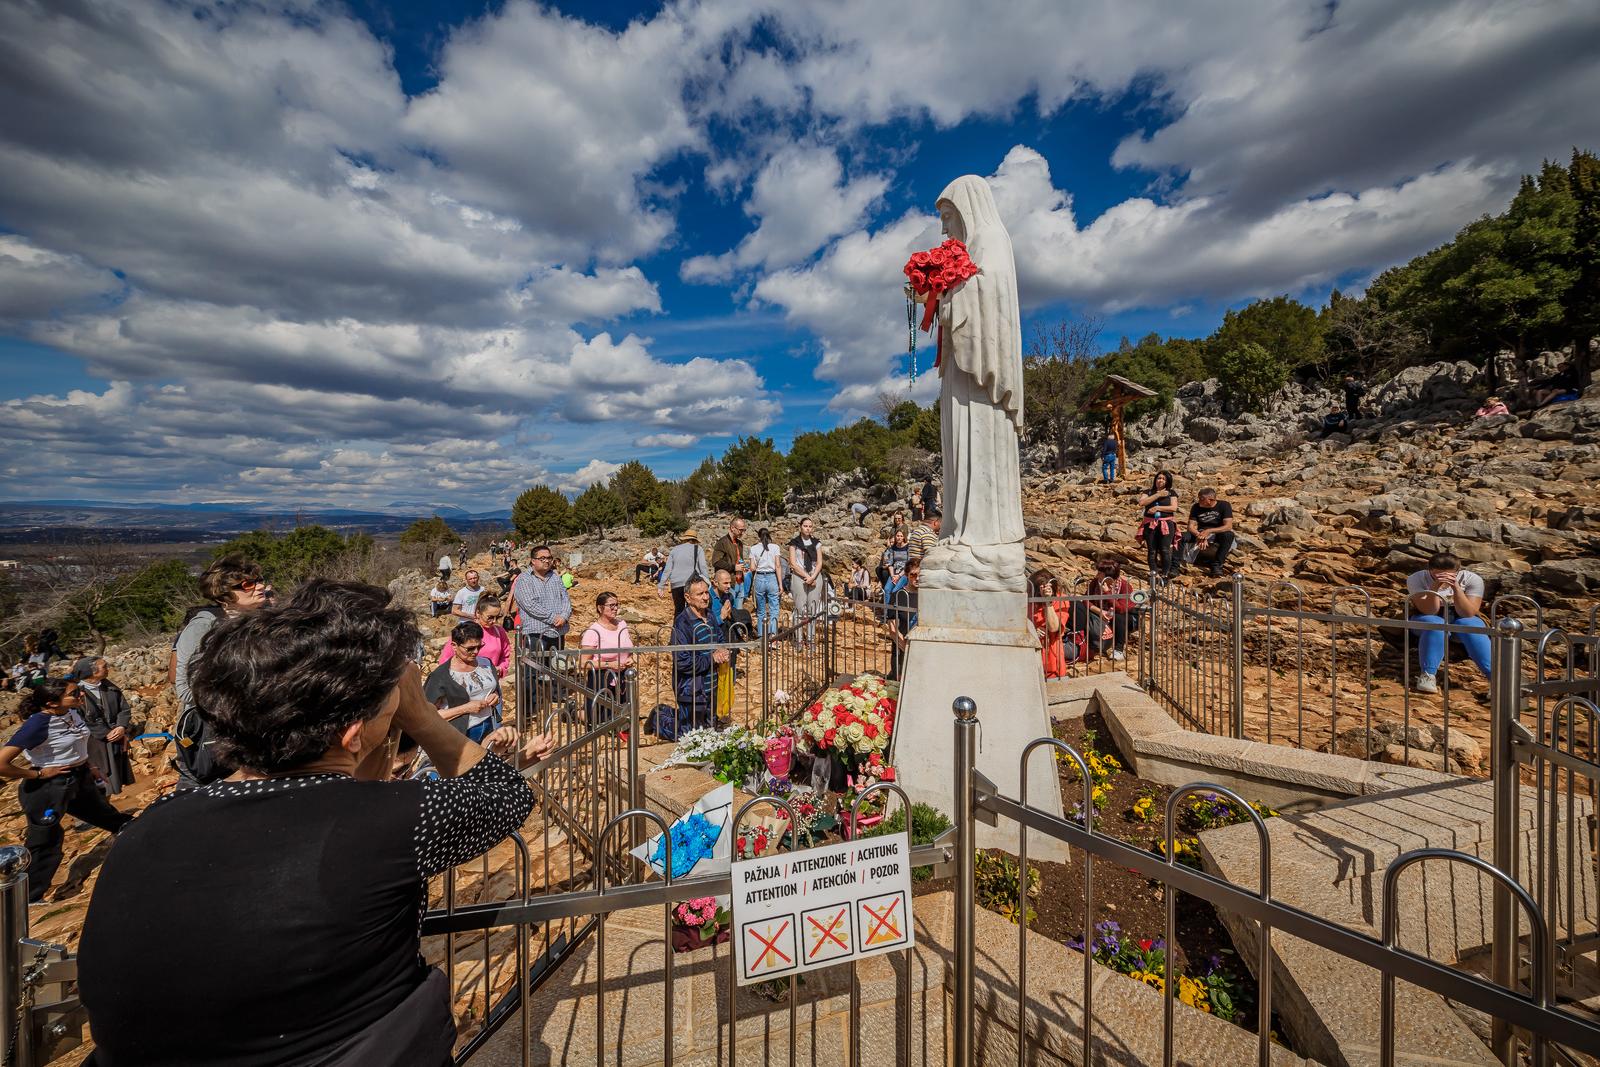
(697, 634)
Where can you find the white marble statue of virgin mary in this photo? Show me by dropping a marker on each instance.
(980, 401)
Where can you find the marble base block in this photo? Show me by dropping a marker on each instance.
(978, 645)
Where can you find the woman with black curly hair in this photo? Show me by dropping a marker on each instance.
(280, 906)
(59, 779)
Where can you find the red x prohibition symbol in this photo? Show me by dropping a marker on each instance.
(882, 920)
(827, 932)
(770, 946)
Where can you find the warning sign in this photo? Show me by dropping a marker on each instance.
(803, 910)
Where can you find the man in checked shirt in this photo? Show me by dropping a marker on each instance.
(542, 598)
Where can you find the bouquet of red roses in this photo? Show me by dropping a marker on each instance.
(937, 271)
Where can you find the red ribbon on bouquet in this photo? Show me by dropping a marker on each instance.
(934, 273)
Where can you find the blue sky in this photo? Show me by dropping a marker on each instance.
(319, 253)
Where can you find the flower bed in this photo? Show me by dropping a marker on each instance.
(1129, 921)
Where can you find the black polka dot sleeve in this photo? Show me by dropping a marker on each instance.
(467, 816)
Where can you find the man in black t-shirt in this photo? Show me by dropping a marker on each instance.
(1210, 528)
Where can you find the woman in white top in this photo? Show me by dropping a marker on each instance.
(765, 564)
(805, 579)
(440, 597)
(58, 781)
(609, 638)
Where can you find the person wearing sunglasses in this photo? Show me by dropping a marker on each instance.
(232, 585)
(490, 614)
(466, 691)
(606, 643)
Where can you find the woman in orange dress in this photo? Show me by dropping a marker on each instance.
(1050, 620)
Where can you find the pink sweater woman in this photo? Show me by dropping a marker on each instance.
(496, 642)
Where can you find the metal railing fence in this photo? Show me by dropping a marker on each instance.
(590, 776)
(1531, 1017)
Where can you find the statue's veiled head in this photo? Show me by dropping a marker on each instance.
(967, 207)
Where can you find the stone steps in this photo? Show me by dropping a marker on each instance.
(1331, 863)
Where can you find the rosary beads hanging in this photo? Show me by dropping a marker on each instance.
(911, 336)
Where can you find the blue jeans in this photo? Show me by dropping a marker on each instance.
(1108, 468)
(740, 591)
(766, 612)
(1430, 644)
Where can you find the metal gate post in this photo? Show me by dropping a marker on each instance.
(16, 1049)
(1505, 714)
(635, 783)
(1237, 655)
(766, 673)
(1147, 650)
(966, 890)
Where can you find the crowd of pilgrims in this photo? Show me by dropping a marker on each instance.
(314, 724)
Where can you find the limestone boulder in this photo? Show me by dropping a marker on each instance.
(1429, 386)
(1206, 430)
(1572, 577)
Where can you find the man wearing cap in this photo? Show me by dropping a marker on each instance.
(687, 560)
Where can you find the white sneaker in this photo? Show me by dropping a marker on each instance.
(1426, 683)
(1117, 654)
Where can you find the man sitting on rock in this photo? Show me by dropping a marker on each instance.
(1335, 421)
(1444, 593)
(1210, 530)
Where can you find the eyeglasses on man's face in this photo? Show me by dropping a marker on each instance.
(542, 559)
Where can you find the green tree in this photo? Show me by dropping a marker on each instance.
(290, 558)
(815, 457)
(903, 416)
(754, 477)
(1249, 374)
(1582, 300)
(1162, 365)
(657, 520)
(541, 514)
(703, 488)
(596, 508)
(925, 431)
(637, 487)
(428, 532)
(1290, 332)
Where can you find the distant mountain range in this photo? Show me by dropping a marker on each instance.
(27, 520)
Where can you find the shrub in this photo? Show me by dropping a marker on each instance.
(998, 876)
(927, 823)
(656, 520)
(428, 533)
(1249, 374)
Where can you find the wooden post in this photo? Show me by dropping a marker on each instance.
(1116, 431)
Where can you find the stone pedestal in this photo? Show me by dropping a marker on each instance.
(978, 644)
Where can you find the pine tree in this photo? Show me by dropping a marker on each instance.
(596, 508)
(541, 514)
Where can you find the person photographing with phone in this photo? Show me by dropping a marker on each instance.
(1442, 592)
(307, 868)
